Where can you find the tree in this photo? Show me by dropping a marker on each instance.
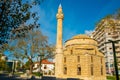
(13, 13)
(3, 65)
(29, 47)
(117, 15)
(18, 65)
(27, 65)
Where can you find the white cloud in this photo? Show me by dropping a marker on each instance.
(88, 32)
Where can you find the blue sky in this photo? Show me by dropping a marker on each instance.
(80, 16)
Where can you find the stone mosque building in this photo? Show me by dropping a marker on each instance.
(79, 58)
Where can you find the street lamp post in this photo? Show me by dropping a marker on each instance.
(114, 55)
(13, 70)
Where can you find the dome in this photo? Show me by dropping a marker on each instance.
(81, 36)
(81, 40)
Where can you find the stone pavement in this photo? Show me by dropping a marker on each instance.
(7, 77)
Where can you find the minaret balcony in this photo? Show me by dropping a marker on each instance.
(60, 16)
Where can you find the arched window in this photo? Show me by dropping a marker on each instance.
(78, 58)
(101, 70)
(71, 51)
(65, 70)
(92, 69)
(101, 60)
(91, 59)
(64, 59)
(78, 70)
(45, 66)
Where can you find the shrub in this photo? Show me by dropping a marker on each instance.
(37, 74)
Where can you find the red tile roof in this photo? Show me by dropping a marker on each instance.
(45, 62)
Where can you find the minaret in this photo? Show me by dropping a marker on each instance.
(59, 17)
(59, 47)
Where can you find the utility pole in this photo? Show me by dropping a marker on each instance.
(114, 55)
(13, 67)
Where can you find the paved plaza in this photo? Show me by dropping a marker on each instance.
(7, 77)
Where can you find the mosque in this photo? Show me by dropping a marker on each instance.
(79, 58)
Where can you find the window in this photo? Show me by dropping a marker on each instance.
(101, 70)
(106, 64)
(64, 59)
(111, 60)
(71, 51)
(45, 67)
(110, 48)
(78, 70)
(109, 33)
(116, 47)
(101, 60)
(111, 65)
(111, 53)
(91, 69)
(91, 58)
(78, 58)
(65, 70)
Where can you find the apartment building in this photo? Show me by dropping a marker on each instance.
(108, 29)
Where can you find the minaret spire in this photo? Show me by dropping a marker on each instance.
(60, 6)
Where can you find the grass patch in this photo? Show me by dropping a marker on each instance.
(111, 78)
(17, 73)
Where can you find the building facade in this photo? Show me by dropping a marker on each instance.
(79, 58)
(82, 59)
(47, 67)
(3, 57)
(108, 29)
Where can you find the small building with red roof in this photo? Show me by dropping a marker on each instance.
(47, 67)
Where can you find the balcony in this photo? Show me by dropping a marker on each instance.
(118, 54)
